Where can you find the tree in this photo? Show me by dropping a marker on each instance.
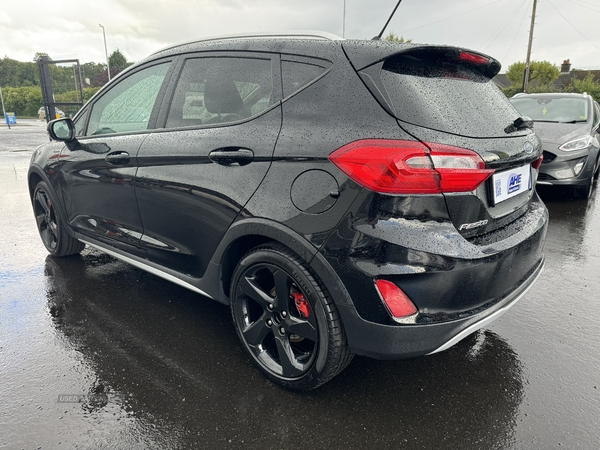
(9, 72)
(39, 54)
(587, 84)
(117, 60)
(91, 70)
(542, 75)
(395, 38)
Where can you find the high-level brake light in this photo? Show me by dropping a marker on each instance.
(473, 58)
(411, 167)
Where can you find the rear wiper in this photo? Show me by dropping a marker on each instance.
(519, 124)
(573, 121)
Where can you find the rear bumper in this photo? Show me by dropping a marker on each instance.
(404, 341)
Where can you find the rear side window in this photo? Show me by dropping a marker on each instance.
(220, 90)
(296, 75)
(446, 95)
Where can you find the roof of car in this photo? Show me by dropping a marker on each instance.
(265, 35)
(263, 40)
(361, 53)
(309, 43)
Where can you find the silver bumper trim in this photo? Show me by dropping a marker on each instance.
(486, 320)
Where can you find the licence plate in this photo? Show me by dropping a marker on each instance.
(510, 183)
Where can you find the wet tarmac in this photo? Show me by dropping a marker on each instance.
(97, 354)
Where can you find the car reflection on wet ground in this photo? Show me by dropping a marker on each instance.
(95, 353)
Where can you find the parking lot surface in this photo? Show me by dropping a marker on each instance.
(97, 354)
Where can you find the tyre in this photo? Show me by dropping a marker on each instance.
(286, 320)
(585, 191)
(53, 233)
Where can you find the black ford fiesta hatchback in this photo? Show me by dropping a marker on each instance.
(344, 197)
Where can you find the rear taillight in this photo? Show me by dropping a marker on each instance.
(410, 167)
(397, 302)
(537, 163)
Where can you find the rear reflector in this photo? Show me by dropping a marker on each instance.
(411, 167)
(396, 301)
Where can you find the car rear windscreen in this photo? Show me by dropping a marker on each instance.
(433, 91)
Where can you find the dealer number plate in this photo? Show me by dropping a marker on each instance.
(511, 182)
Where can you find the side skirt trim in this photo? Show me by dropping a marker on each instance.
(147, 268)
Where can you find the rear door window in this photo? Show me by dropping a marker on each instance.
(219, 90)
(446, 95)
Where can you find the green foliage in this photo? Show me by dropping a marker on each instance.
(91, 70)
(117, 60)
(510, 91)
(542, 75)
(395, 38)
(587, 84)
(39, 54)
(25, 101)
(15, 73)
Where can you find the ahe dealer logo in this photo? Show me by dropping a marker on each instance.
(514, 182)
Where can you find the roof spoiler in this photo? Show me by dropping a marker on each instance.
(366, 53)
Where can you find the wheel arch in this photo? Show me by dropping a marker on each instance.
(34, 176)
(247, 234)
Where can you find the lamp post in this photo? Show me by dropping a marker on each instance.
(105, 51)
(3, 110)
(344, 21)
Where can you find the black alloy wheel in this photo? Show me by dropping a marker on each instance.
(54, 236)
(285, 319)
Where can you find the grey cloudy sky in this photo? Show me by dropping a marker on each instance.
(69, 28)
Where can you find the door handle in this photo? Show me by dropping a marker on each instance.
(117, 158)
(232, 156)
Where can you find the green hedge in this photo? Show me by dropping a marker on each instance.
(25, 101)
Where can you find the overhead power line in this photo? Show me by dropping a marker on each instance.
(451, 17)
(492, 38)
(516, 33)
(584, 6)
(573, 26)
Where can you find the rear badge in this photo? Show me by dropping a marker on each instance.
(469, 226)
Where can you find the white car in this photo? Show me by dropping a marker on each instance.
(42, 113)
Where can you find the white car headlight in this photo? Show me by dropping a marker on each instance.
(577, 144)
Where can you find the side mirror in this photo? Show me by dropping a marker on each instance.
(61, 130)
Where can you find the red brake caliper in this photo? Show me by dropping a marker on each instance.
(301, 304)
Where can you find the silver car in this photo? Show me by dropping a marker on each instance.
(568, 125)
